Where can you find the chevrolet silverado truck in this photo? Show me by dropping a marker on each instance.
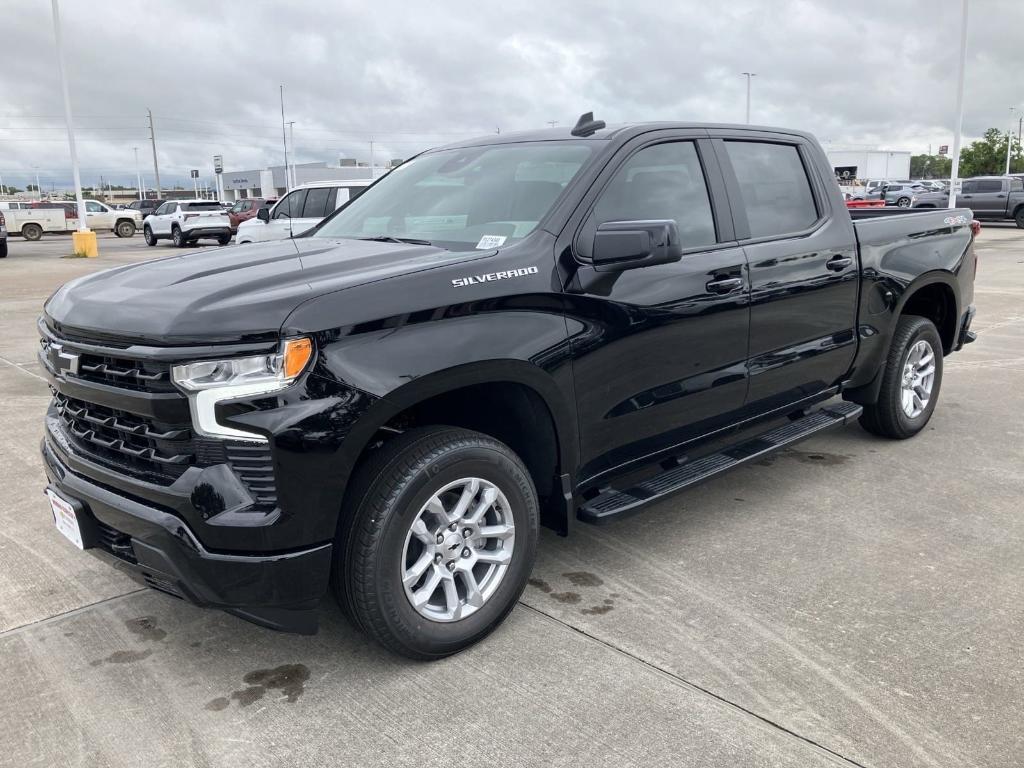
(551, 328)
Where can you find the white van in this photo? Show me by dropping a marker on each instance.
(301, 209)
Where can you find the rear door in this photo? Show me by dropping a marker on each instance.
(802, 257)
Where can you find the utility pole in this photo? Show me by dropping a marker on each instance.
(291, 140)
(138, 176)
(84, 241)
(749, 76)
(39, 190)
(284, 141)
(3, 189)
(957, 136)
(552, 123)
(156, 167)
(1009, 141)
(371, 158)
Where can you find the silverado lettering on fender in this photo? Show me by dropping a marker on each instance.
(376, 406)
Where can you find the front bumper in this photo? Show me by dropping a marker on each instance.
(280, 590)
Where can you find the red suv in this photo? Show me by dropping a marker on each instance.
(243, 210)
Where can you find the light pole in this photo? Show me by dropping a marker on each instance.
(138, 176)
(39, 190)
(284, 141)
(291, 140)
(1009, 141)
(749, 76)
(955, 168)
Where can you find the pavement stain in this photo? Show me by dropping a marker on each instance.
(290, 679)
(583, 579)
(579, 579)
(145, 628)
(122, 657)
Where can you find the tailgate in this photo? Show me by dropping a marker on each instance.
(206, 218)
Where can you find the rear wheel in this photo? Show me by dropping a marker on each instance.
(910, 381)
(3, 248)
(178, 237)
(223, 239)
(124, 229)
(148, 234)
(903, 202)
(1019, 217)
(32, 232)
(439, 539)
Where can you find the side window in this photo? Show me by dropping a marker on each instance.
(93, 207)
(162, 210)
(989, 185)
(354, 192)
(663, 181)
(1016, 184)
(774, 186)
(969, 187)
(316, 203)
(291, 206)
(332, 196)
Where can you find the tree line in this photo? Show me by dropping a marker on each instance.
(984, 157)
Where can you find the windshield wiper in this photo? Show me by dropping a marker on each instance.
(392, 239)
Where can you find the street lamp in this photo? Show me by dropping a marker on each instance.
(138, 176)
(1009, 140)
(748, 75)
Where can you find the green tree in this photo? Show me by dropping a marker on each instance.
(31, 188)
(930, 167)
(11, 190)
(987, 156)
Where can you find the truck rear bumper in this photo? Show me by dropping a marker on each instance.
(281, 591)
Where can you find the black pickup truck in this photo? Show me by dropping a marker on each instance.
(550, 328)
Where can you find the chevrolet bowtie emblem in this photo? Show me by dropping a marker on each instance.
(61, 361)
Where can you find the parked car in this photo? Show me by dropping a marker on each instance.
(900, 195)
(300, 210)
(185, 222)
(243, 210)
(3, 236)
(32, 223)
(932, 185)
(99, 217)
(145, 207)
(519, 330)
(995, 198)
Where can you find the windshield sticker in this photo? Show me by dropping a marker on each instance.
(491, 241)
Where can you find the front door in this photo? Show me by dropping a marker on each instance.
(659, 353)
(802, 256)
(985, 197)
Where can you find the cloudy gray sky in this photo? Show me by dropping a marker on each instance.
(411, 75)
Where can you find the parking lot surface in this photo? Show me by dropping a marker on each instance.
(852, 601)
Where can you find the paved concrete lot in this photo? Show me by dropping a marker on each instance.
(851, 602)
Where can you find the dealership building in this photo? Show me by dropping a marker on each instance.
(853, 164)
(272, 182)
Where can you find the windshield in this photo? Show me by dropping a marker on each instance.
(465, 198)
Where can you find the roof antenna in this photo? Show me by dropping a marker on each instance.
(587, 125)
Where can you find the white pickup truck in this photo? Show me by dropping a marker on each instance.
(62, 217)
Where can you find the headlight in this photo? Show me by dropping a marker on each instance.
(207, 382)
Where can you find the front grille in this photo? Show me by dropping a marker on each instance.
(153, 451)
(124, 372)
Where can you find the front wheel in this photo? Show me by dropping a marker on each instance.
(1018, 217)
(910, 381)
(3, 248)
(223, 239)
(147, 233)
(125, 229)
(438, 541)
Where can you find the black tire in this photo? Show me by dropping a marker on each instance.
(124, 228)
(178, 237)
(223, 239)
(886, 417)
(1018, 217)
(903, 202)
(387, 493)
(3, 248)
(147, 233)
(32, 232)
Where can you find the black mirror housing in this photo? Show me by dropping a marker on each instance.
(620, 245)
(263, 214)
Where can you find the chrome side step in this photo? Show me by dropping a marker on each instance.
(612, 503)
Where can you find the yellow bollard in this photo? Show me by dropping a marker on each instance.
(84, 243)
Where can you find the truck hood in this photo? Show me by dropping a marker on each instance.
(237, 293)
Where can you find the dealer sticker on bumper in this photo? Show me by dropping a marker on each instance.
(66, 519)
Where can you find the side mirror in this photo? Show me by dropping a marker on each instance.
(620, 245)
(263, 214)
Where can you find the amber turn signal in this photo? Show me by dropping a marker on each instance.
(297, 353)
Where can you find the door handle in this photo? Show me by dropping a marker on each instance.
(725, 285)
(838, 263)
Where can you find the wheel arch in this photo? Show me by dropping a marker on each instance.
(934, 296)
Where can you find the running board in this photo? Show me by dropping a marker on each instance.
(613, 503)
